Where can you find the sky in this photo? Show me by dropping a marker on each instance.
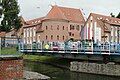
(31, 9)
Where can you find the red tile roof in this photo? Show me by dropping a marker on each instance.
(106, 19)
(33, 22)
(69, 14)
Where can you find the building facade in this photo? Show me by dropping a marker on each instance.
(101, 28)
(60, 24)
(30, 30)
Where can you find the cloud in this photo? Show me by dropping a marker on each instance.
(36, 8)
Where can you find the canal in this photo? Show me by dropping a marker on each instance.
(57, 73)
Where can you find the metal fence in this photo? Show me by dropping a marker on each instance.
(9, 41)
(73, 46)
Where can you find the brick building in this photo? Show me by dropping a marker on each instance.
(60, 24)
(101, 28)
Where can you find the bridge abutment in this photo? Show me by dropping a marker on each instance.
(95, 68)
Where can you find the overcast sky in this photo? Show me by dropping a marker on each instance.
(31, 9)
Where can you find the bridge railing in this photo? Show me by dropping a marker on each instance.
(95, 48)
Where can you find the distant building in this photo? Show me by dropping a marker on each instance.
(60, 24)
(16, 33)
(31, 29)
(101, 28)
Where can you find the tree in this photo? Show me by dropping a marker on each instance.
(0, 9)
(112, 15)
(11, 19)
(118, 16)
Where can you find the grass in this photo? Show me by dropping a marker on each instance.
(46, 59)
(9, 51)
(37, 58)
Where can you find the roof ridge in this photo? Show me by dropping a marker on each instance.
(68, 7)
(34, 19)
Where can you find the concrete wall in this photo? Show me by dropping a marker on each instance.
(95, 68)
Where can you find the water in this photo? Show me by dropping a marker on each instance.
(62, 74)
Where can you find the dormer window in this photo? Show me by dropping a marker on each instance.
(38, 21)
(101, 18)
(35, 21)
(98, 18)
(107, 19)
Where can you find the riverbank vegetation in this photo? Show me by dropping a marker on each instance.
(48, 59)
(37, 58)
(9, 51)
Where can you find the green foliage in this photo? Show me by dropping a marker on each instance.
(112, 15)
(118, 16)
(10, 9)
(8, 51)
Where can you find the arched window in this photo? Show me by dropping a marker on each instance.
(51, 27)
(57, 37)
(57, 27)
(63, 27)
(51, 37)
(46, 27)
(46, 37)
(63, 37)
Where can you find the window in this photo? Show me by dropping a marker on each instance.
(46, 27)
(24, 32)
(91, 18)
(57, 37)
(71, 27)
(58, 27)
(51, 37)
(77, 27)
(63, 27)
(63, 37)
(46, 37)
(34, 32)
(51, 27)
(70, 33)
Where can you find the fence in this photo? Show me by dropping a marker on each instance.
(73, 46)
(9, 45)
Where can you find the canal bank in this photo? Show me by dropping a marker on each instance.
(110, 68)
(57, 73)
(11, 68)
(86, 67)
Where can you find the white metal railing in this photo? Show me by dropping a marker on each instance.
(73, 46)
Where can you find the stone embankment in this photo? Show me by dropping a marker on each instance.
(28, 75)
(95, 68)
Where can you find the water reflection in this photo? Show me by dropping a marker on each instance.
(62, 74)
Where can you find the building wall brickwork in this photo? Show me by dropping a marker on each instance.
(11, 69)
